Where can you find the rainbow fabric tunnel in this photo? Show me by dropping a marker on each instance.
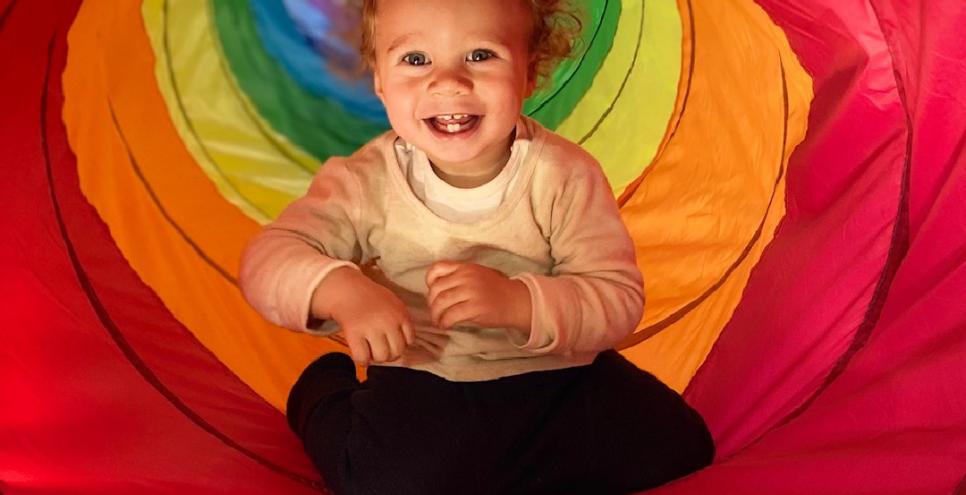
(791, 171)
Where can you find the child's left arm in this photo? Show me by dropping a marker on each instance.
(594, 296)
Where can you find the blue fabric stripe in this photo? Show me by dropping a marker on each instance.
(296, 52)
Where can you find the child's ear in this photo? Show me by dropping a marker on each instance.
(377, 85)
(531, 86)
(531, 80)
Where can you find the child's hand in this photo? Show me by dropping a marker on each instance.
(376, 324)
(472, 295)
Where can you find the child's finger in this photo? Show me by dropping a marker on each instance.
(379, 347)
(442, 285)
(440, 269)
(462, 312)
(359, 349)
(408, 333)
(444, 301)
(397, 343)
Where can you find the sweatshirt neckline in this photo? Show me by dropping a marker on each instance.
(519, 188)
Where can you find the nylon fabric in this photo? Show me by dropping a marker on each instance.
(252, 166)
(87, 349)
(890, 417)
(316, 124)
(818, 275)
(697, 245)
(309, 67)
(573, 77)
(635, 88)
(182, 225)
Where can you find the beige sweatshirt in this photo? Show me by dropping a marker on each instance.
(557, 230)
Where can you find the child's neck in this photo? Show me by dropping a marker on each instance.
(474, 173)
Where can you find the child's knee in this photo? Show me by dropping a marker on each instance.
(330, 377)
(694, 447)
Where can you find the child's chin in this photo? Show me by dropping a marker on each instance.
(450, 151)
(450, 155)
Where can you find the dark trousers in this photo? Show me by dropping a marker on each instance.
(604, 428)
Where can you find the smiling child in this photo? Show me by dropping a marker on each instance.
(477, 263)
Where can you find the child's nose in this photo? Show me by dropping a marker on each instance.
(453, 81)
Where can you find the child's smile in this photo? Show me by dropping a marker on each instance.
(453, 76)
(454, 124)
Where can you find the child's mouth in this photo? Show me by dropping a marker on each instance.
(453, 124)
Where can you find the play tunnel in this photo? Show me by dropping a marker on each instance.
(791, 172)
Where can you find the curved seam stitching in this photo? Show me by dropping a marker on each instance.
(5, 14)
(627, 75)
(266, 132)
(643, 334)
(631, 188)
(108, 323)
(890, 266)
(184, 112)
(580, 63)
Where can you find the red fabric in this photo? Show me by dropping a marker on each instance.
(841, 371)
(103, 391)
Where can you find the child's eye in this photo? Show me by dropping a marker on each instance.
(479, 55)
(415, 58)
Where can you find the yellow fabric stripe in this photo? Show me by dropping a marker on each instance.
(622, 122)
(254, 167)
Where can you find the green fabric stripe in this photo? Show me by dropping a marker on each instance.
(323, 128)
(574, 76)
(314, 123)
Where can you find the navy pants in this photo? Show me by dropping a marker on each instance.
(604, 428)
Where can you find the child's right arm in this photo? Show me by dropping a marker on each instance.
(303, 267)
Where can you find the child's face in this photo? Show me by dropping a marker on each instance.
(453, 76)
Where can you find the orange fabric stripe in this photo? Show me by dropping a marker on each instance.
(702, 213)
(178, 233)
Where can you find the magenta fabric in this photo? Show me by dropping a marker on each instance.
(852, 379)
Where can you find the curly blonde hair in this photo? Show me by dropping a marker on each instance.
(555, 33)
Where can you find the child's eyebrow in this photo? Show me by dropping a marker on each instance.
(500, 41)
(400, 41)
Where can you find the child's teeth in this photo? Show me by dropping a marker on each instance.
(455, 116)
(452, 127)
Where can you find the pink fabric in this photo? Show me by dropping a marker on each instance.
(831, 249)
(793, 410)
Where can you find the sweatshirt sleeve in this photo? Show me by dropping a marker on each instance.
(594, 296)
(315, 234)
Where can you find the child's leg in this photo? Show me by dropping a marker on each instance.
(401, 432)
(319, 411)
(608, 428)
(645, 434)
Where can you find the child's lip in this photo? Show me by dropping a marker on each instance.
(435, 115)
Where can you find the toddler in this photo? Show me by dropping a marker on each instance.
(477, 263)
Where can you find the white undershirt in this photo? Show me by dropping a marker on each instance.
(455, 204)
